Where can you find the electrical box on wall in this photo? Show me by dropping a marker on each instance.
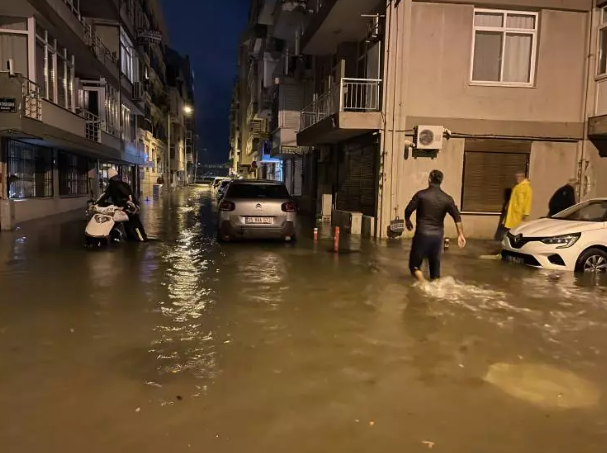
(428, 137)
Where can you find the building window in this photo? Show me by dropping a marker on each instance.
(112, 110)
(504, 47)
(54, 70)
(30, 170)
(129, 125)
(128, 58)
(486, 177)
(13, 43)
(73, 174)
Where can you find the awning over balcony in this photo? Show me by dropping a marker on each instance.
(597, 133)
(337, 21)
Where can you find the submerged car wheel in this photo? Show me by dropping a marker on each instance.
(593, 261)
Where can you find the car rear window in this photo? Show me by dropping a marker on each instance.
(257, 191)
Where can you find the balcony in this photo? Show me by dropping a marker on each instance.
(334, 22)
(289, 15)
(100, 50)
(351, 108)
(30, 117)
(252, 112)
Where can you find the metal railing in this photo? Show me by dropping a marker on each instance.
(351, 95)
(32, 102)
(93, 126)
(92, 40)
(97, 47)
(251, 111)
(74, 5)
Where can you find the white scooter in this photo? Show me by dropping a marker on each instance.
(106, 224)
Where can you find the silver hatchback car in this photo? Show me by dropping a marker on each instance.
(256, 209)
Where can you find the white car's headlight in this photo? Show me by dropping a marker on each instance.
(564, 241)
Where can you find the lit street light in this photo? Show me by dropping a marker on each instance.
(187, 110)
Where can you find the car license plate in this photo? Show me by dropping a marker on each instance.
(259, 220)
(515, 259)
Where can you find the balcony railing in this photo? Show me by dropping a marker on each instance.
(251, 111)
(97, 47)
(351, 95)
(32, 103)
(93, 126)
(74, 5)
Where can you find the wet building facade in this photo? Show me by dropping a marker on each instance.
(369, 96)
(76, 97)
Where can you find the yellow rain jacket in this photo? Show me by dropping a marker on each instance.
(520, 204)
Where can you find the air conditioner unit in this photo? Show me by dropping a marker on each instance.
(137, 91)
(428, 137)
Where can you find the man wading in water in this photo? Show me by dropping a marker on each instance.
(432, 205)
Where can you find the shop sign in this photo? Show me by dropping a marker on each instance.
(149, 36)
(8, 105)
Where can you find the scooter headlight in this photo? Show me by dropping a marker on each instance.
(564, 241)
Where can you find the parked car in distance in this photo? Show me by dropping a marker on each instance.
(256, 209)
(217, 181)
(206, 180)
(222, 188)
(572, 240)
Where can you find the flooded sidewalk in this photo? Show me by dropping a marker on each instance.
(182, 344)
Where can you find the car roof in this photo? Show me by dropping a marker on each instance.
(258, 181)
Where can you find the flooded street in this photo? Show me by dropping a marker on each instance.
(183, 345)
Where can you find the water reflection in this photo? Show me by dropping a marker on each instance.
(265, 346)
(183, 343)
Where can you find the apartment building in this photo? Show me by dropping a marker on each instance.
(235, 142)
(77, 99)
(182, 117)
(477, 89)
(254, 78)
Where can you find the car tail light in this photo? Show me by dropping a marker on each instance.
(227, 206)
(288, 207)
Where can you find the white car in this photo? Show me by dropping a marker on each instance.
(572, 240)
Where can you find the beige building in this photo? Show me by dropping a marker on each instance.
(478, 89)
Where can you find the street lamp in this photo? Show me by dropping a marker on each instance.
(187, 110)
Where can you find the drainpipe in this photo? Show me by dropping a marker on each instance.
(398, 59)
(582, 188)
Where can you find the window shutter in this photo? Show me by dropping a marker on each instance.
(486, 176)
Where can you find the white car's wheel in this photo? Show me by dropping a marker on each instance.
(593, 260)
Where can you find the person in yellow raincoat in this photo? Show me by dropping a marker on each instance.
(519, 207)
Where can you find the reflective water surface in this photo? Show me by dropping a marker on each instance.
(184, 345)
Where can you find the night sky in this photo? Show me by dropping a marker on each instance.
(209, 31)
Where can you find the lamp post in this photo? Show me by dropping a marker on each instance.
(187, 110)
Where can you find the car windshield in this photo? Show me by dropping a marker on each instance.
(258, 191)
(590, 211)
(225, 183)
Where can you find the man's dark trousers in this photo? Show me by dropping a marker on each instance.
(426, 247)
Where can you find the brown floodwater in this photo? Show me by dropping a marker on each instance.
(182, 344)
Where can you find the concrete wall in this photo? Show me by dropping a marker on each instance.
(428, 76)
(63, 119)
(15, 212)
(551, 165)
(439, 81)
